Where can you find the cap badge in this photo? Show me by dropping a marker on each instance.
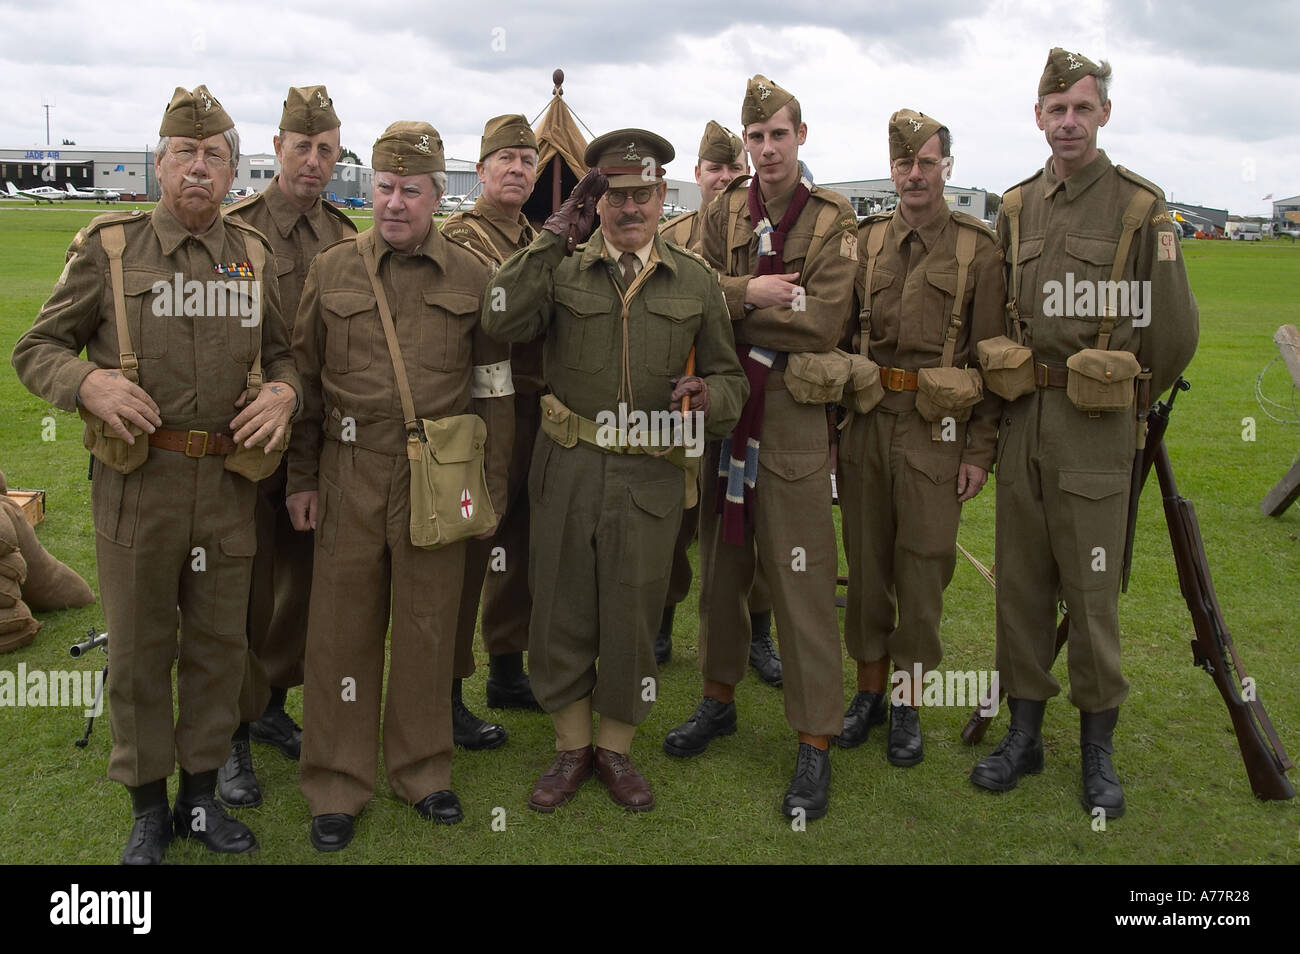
(1072, 62)
(207, 103)
(324, 103)
(915, 124)
(423, 144)
(631, 155)
(763, 91)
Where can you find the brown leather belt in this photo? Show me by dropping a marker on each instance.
(898, 379)
(1047, 376)
(193, 443)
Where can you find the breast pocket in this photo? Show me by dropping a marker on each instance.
(446, 329)
(348, 332)
(153, 301)
(881, 279)
(940, 294)
(244, 315)
(583, 334)
(1030, 294)
(672, 326)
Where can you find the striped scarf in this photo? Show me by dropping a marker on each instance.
(737, 497)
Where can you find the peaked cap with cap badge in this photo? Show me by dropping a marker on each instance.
(909, 131)
(194, 114)
(408, 149)
(622, 156)
(1064, 69)
(309, 110)
(504, 132)
(720, 144)
(763, 99)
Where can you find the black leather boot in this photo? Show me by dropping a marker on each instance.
(867, 709)
(200, 816)
(152, 831)
(762, 654)
(810, 789)
(710, 719)
(1019, 753)
(276, 727)
(237, 783)
(664, 638)
(1101, 788)
(508, 686)
(468, 730)
(904, 736)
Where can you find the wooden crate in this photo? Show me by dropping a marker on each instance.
(32, 502)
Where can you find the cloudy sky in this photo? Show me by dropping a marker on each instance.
(1205, 93)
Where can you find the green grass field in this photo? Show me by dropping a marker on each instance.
(1188, 797)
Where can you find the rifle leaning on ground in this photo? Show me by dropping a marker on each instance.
(76, 651)
(1212, 649)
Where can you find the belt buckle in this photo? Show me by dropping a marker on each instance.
(191, 437)
(897, 379)
(1041, 374)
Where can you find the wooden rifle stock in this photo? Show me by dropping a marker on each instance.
(1213, 649)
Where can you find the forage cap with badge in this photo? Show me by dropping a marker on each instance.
(408, 149)
(1064, 69)
(720, 144)
(622, 159)
(194, 114)
(308, 110)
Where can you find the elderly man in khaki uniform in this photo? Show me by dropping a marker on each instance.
(1063, 471)
(298, 223)
(721, 160)
(787, 252)
(350, 479)
(936, 291)
(608, 483)
(196, 295)
(495, 227)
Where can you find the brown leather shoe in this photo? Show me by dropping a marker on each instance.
(560, 783)
(626, 785)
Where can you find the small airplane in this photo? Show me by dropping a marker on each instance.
(38, 195)
(97, 193)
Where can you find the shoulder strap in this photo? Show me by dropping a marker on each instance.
(478, 230)
(1134, 216)
(965, 255)
(113, 238)
(367, 250)
(257, 260)
(822, 226)
(875, 242)
(1011, 209)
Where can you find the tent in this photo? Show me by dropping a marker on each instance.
(560, 147)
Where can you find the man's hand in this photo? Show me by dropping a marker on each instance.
(265, 420)
(302, 509)
(109, 394)
(772, 291)
(574, 220)
(696, 388)
(970, 479)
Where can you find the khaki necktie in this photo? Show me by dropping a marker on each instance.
(629, 261)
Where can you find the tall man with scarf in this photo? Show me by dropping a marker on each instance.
(787, 254)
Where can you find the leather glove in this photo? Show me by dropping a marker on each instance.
(576, 218)
(696, 388)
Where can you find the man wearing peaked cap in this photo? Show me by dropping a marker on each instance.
(299, 223)
(620, 315)
(349, 481)
(929, 289)
(787, 254)
(1064, 470)
(721, 160)
(165, 493)
(496, 227)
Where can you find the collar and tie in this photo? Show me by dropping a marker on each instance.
(630, 264)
